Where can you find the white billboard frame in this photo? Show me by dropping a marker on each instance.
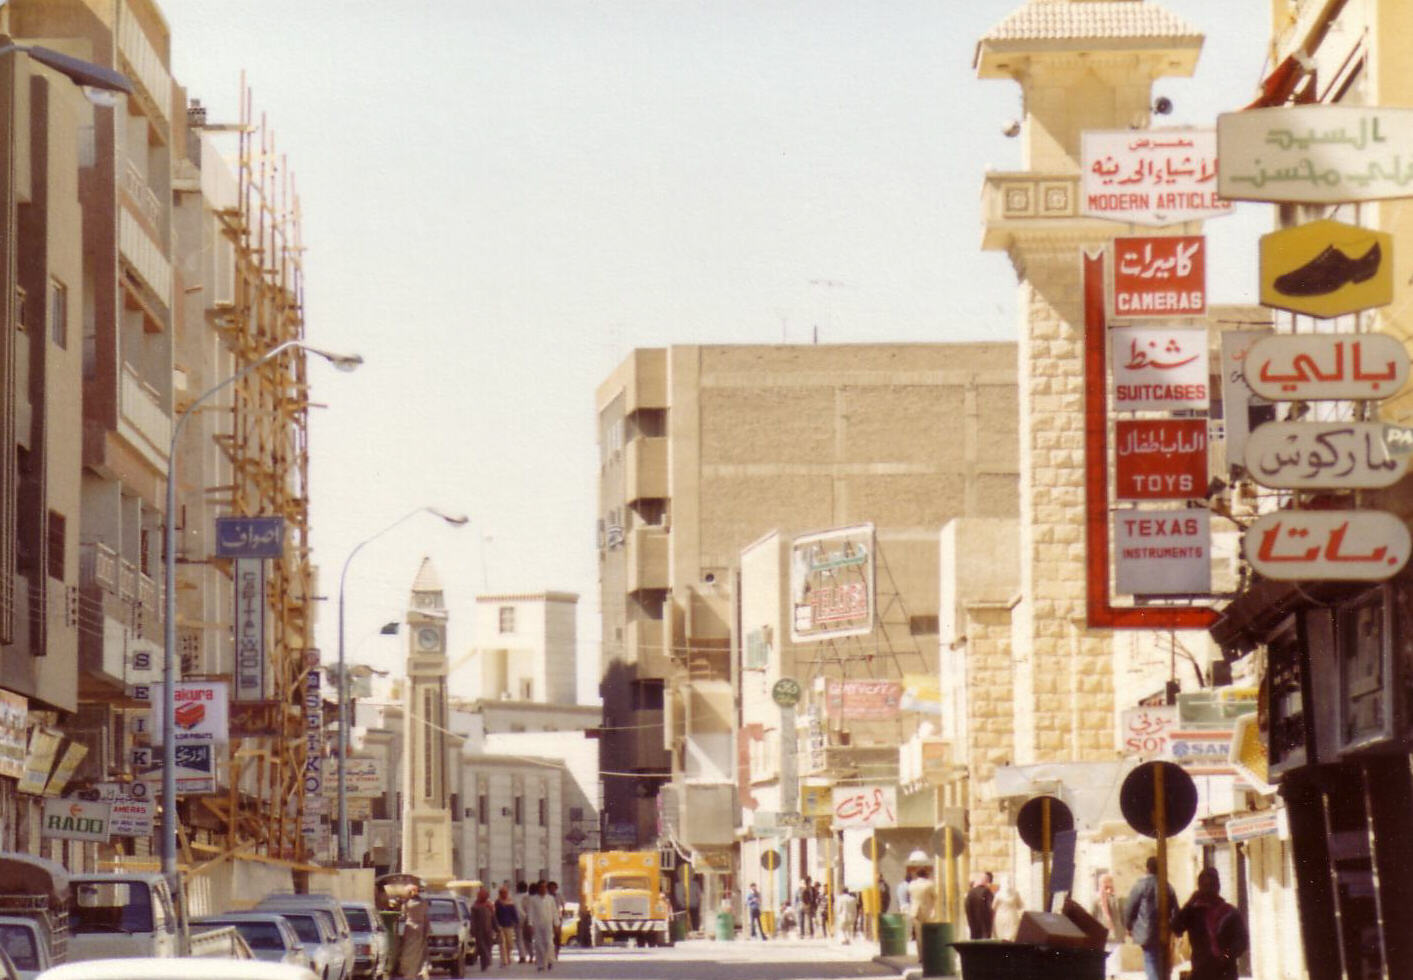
(811, 555)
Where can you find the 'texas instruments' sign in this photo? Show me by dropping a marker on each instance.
(1316, 153)
(1326, 269)
(1160, 276)
(1160, 459)
(1312, 367)
(1159, 370)
(1154, 177)
(1327, 545)
(1315, 455)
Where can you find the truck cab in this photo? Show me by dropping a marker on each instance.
(121, 914)
(623, 892)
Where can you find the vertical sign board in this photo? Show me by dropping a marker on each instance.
(1163, 552)
(39, 761)
(14, 717)
(1162, 276)
(1160, 370)
(314, 753)
(1150, 177)
(1160, 459)
(249, 629)
(831, 584)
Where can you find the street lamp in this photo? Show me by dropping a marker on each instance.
(455, 520)
(344, 362)
(99, 84)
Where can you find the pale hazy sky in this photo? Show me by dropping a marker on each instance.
(501, 199)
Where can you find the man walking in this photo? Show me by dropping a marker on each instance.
(544, 914)
(1214, 928)
(978, 907)
(1141, 920)
(923, 894)
(753, 910)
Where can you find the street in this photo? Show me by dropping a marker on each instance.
(705, 959)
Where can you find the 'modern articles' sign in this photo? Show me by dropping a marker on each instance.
(1150, 177)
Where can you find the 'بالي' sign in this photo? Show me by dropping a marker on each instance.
(1319, 366)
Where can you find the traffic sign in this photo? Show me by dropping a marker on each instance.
(770, 860)
(1326, 268)
(1137, 795)
(786, 692)
(1030, 821)
(874, 849)
(940, 837)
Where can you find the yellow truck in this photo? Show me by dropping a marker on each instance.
(622, 893)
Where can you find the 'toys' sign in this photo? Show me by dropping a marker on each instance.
(1138, 795)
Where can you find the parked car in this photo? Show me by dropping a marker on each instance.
(319, 942)
(268, 934)
(173, 968)
(449, 942)
(328, 905)
(372, 952)
(121, 914)
(25, 942)
(569, 923)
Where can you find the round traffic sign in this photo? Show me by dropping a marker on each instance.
(872, 845)
(939, 841)
(770, 860)
(1030, 822)
(786, 692)
(1138, 793)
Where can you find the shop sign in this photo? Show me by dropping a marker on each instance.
(922, 692)
(313, 740)
(1312, 367)
(1326, 269)
(362, 776)
(1150, 177)
(1144, 731)
(1162, 552)
(865, 806)
(1322, 455)
(201, 714)
(74, 754)
(196, 767)
(14, 717)
(786, 692)
(816, 801)
(1263, 824)
(1161, 276)
(75, 820)
(1321, 154)
(1159, 370)
(1202, 753)
(1241, 408)
(39, 761)
(1205, 834)
(831, 584)
(255, 719)
(1160, 459)
(249, 626)
(862, 700)
(132, 818)
(250, 537)
(1327, 545)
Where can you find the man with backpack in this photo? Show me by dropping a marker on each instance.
(1215, 929)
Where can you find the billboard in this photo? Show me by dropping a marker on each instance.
(861, 699)
(1150, 177)
(1163, 276)
(831, 584)
(14, 718)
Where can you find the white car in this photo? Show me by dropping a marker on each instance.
(269, 935)
(319, 941)
(175, 968)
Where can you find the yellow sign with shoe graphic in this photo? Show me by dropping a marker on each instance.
(1326, 268)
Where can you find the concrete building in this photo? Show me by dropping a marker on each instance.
(525, 650)
(705, 449)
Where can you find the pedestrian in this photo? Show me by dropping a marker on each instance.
(823, 907)
(542, 917)
(1141, 920)
(923, 896)
(847, 912)
(507, 923)
(978, 908)
(885, 895)
(553, 887)
(412, 930)
(804, 907)
(1108, 908)
(522, 935)
(1215, 929)
(753, 910)
(1006, 911)
(483, 927)
(905, 898)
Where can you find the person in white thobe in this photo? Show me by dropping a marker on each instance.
(544, 919)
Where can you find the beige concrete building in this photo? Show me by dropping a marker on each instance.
(525, 650)
(706, 449)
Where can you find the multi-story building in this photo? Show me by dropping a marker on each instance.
(525, 650)
(705, 449)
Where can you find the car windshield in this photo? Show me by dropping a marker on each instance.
(258, 935)
(638, 882)
(305, 927)
(110, 906)
(358, 919)
(442, 910)
(18, 941)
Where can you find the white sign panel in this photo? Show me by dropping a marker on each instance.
(362, 776)
(1317, 455)
(202, 713)
(1317, 153)
(1159, 370)
(75, 820)
(831, 584)
(1237, 397)
(249, 625)
(1150, 177)
(865, 806)
(1312, 367)
(1144, 731)
(1327, 545)
(1162, 552)
(132, 818)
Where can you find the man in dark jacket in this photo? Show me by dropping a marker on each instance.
(1141, 920)
(1214, 928)
(978, 907)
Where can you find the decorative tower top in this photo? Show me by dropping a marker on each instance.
(427, 591)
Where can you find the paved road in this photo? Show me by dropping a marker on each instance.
(704, 959)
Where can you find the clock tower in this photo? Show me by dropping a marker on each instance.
(426, 817)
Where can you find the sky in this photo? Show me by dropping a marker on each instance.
(500, 199)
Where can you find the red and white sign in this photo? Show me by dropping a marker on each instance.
(1162, 552)
(1159, 370)
(1323, 455)
(1150, 177)
(1310, 367)
(1263, 824)
(132, 818)
(1163, 276)
(1160, 459)
(201, 712)
(1327, 545)
(865, 806)
(862, 700)
(1144, 731)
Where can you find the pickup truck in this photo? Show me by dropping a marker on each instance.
(27, 943)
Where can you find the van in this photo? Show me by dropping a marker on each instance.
(122, 914)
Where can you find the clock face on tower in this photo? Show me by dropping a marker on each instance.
(428, 638)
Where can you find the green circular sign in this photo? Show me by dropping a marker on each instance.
(786, 692)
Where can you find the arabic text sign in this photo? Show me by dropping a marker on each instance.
(862, 700)
(1153, 177)
(14, 716)
(865, 806)
(1160, 459)
(1144, 731)
(362, 776)
(196, 766)
(831, 584)
(1327, 545)
(1161, 276)
(1162, 552)
(250, 537)
(1159, 370)
(1312, 367)
(1317, 153)
(1317, 455)
(249, 624)
(75, 820)
(1238, 400)
(1326, 268)
(201, 714)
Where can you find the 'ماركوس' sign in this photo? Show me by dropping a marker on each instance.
(1327, 545)
(1159, 370)
(1322, 455)
(1160, 276)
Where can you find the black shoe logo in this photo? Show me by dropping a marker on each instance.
(1329, 271)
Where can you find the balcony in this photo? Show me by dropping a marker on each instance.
(143, 197)
(643, 638)
(646, 459)
(98, 566)
(647, 559)
(1011, 202)
(144, 66)
(142, 419)
(145, 257)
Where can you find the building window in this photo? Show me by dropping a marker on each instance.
(519, 810)
(56, 546)
(58, 313)
(507, 619)
(544, 812)
(576, 813)
(527, 690)
(483, 810)
(923, 625)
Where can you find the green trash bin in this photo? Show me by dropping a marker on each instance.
(892, 935)
(935, 950)
(725, 926)
(677, 928)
